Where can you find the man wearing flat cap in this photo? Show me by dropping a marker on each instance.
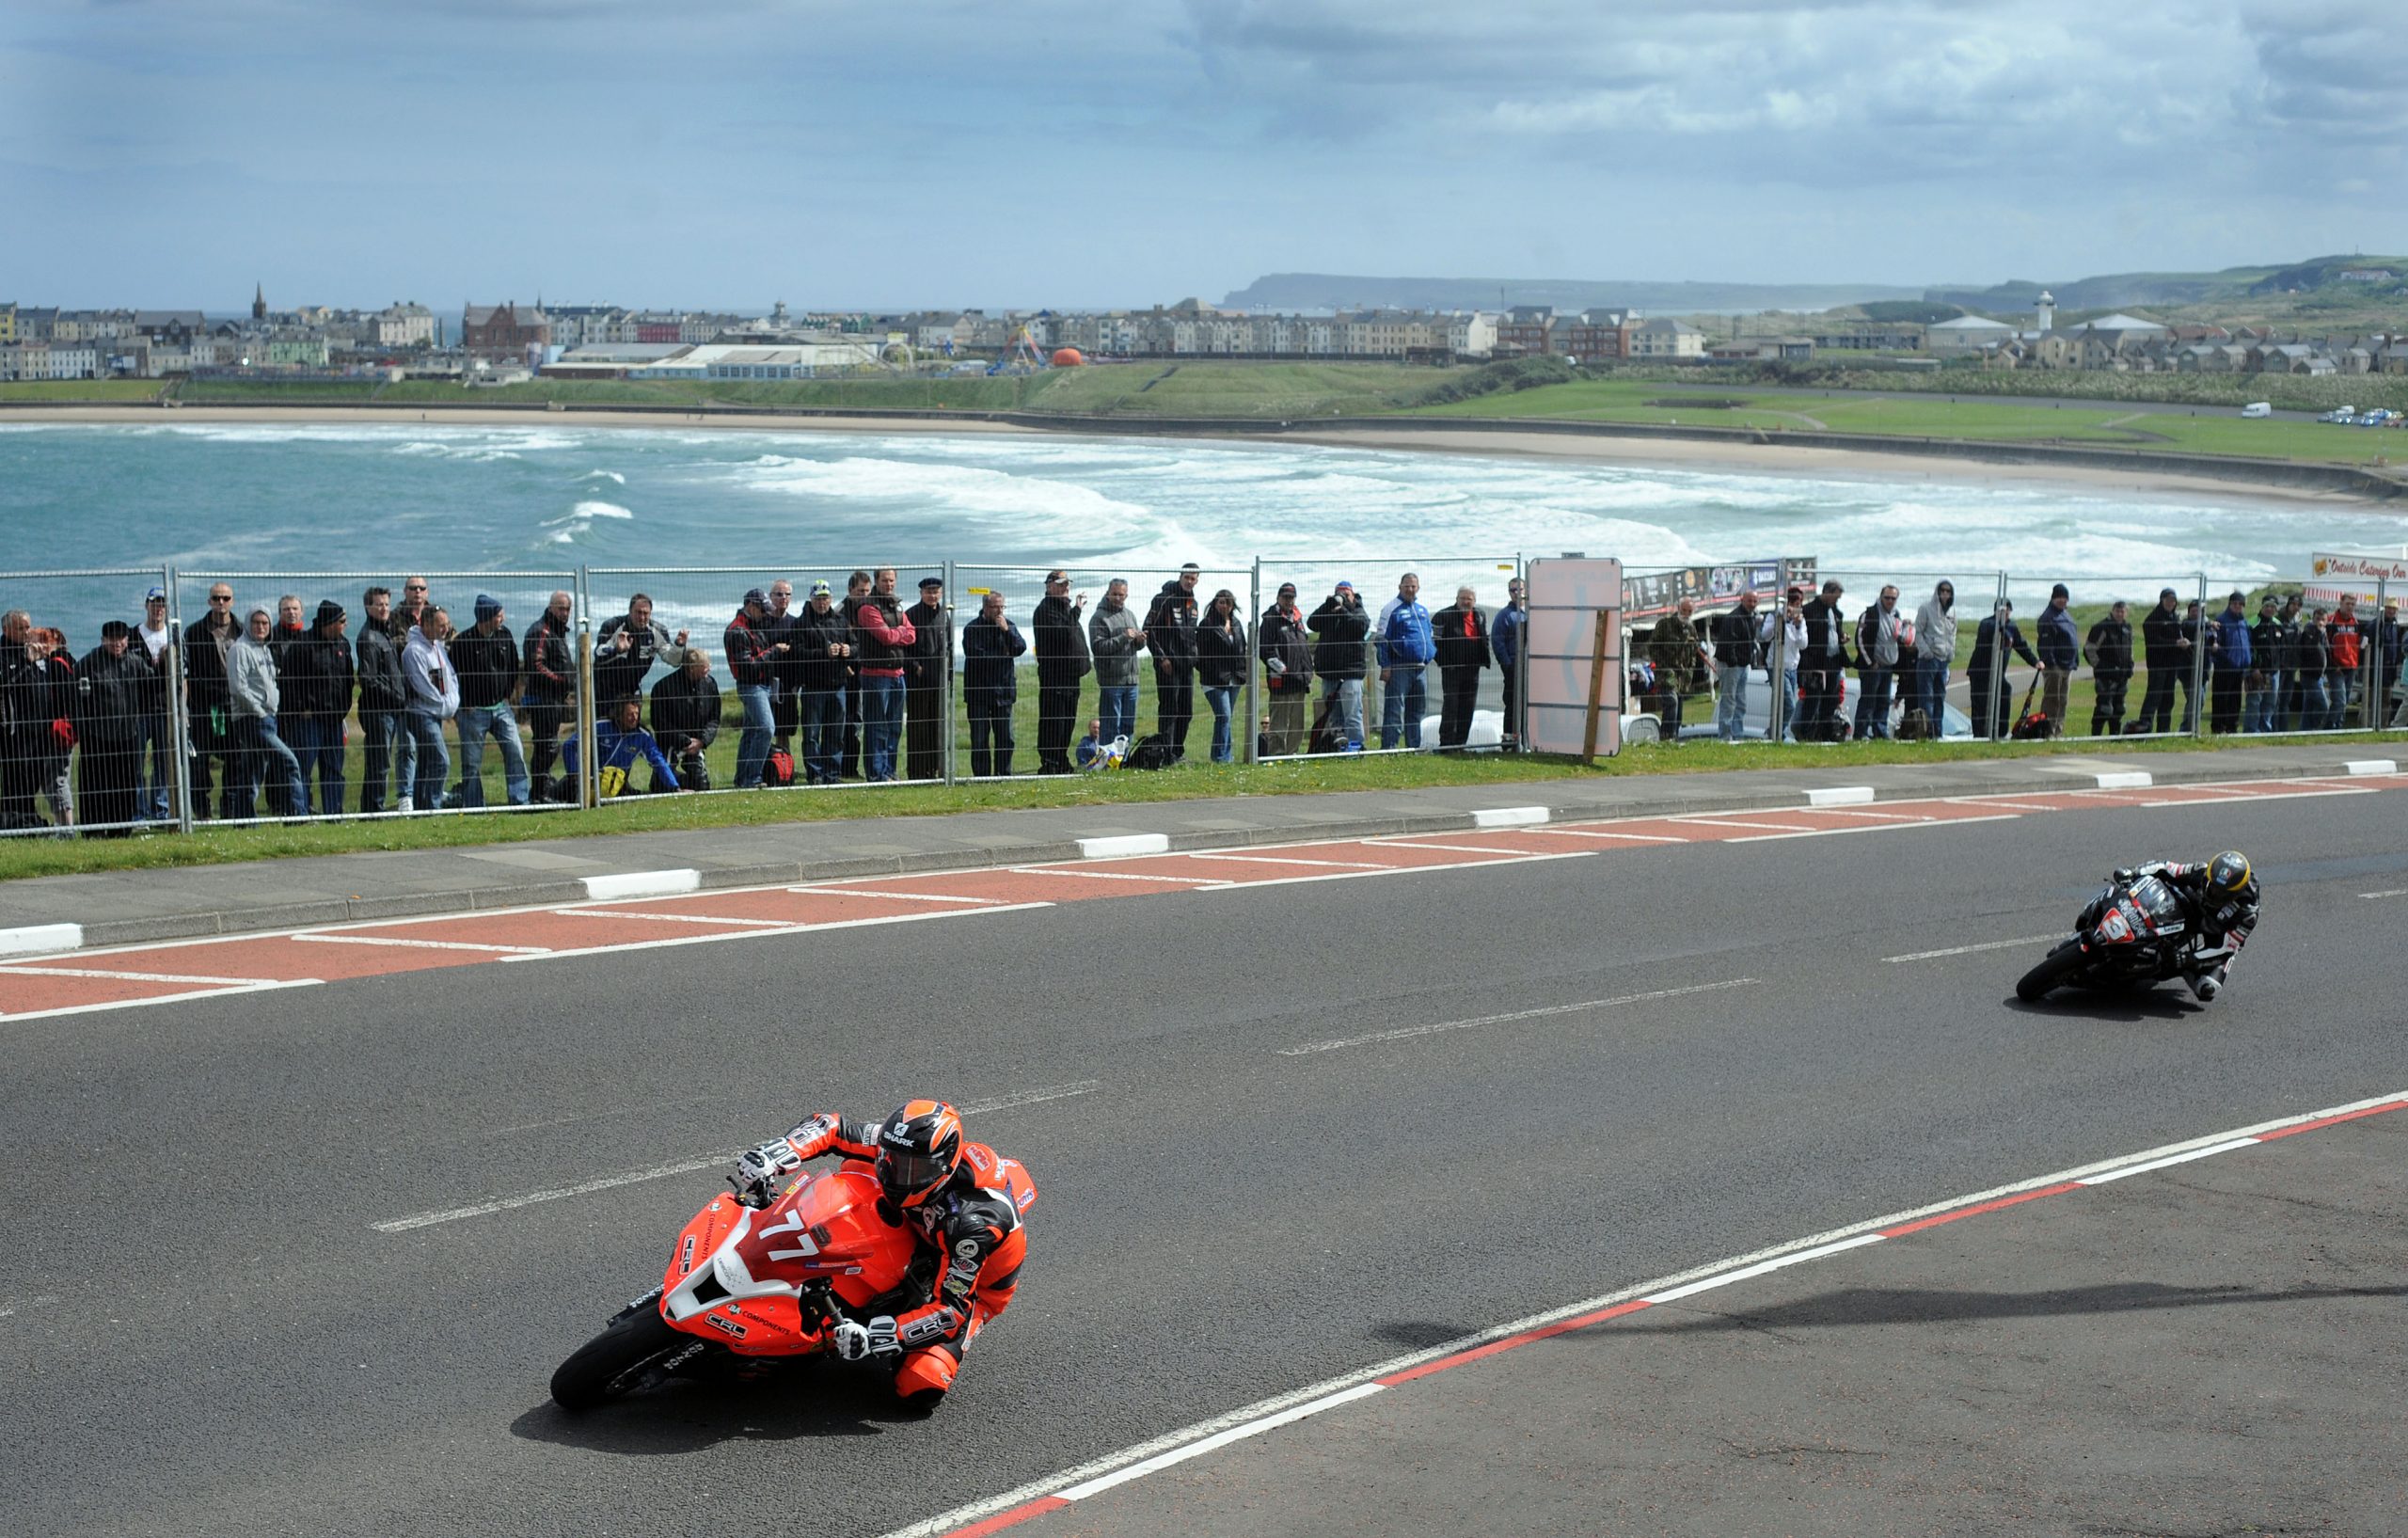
(926, 662)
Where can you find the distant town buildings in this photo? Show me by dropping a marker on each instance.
(505, 340)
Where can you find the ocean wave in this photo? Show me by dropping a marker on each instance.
(604, 475)
(1038, 506)
(579, 519)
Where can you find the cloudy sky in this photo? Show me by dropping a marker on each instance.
(1122, 151)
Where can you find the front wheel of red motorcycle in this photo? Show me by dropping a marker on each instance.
(625, 1356)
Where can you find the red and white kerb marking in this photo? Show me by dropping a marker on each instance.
(645, 911)
(1051, 1494)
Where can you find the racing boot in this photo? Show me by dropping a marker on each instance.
(2208, 973)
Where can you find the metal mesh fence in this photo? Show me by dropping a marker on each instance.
(88, 741)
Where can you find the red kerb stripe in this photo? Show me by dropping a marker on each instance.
(1559, 1327)
(1985, 1207)
(2327, 1121)
(1018, 1514)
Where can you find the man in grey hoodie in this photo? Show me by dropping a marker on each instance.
(1876, 657)
(253, 699)
(1935, 648)
(434, 698)
(1116, 638)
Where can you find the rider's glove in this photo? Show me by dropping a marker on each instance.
(757, 1169)
(855, 1341)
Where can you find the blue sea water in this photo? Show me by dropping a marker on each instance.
(272, 499)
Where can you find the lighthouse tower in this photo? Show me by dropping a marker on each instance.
(2044, 309)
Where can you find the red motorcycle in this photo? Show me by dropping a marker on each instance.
(758, 1282)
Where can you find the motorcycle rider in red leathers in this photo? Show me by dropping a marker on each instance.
(2223, 895)
(962, 1201)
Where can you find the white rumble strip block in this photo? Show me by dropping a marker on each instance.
(1508, 816)
(1121, 846)
(41, 939)
(642, 883)
(2371, 766)
(1839, 796)
(2122, 779)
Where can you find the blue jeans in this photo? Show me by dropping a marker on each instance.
(1931, 689)
(1349, 694)
(820, 713)
(1730, 709)
(157, 747)
(318, 743)
(1117, 708)
(882, 724)
(265, 761)
(1223, 698)
(1871, 702)
(476, 723)
(429, 763)
(753, 750)
(377, 731)
(1402, 697)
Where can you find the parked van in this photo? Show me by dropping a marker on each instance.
(2258, 408)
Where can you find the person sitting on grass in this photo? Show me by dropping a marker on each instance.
(622, 743)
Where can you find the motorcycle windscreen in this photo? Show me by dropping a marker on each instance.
(2155, 899)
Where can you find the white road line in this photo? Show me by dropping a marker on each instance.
(418, 945)
(1968, 950)
(1450, 849)
(1218, 1440)
(2392, 891)
(1704, 821)
(678, 918)
(1315, 1394)
(2182, 1158)
(1995, 800)
(1875, 816)
(1400, 870)
(113, 1005)
(621, 947)
(1881, 828)
(1277, 860)
(1403, 1033)
(1116, 876)
(1601, 832)
(901, 896)
(131, 976)
(2272, 796)
(686, 1166)
(1763, 1268)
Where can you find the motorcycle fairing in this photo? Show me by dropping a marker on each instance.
(736, 1273)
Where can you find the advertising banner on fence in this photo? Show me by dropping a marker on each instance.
(2334, 575)
(1652, 595)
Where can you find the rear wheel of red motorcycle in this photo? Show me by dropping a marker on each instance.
(2056, 969)
(617, 1361)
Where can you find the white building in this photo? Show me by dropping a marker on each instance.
(1965, 334)
(1667, 337)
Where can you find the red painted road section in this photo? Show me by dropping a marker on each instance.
(97, 981)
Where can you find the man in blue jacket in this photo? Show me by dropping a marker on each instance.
(1505, 642)
(1404, 644)
(2060, 654)
(2230, 654)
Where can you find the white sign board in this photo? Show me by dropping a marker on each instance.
(1562, 653)
(2334, 575)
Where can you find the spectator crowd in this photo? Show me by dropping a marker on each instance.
(858, 686)
(2289, 667)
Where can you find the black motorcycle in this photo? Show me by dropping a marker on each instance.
(2134, 933)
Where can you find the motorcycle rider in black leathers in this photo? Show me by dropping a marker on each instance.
(2222, 895)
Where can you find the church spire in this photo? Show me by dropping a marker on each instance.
(258, 302)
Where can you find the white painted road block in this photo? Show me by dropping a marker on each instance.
(2372, 766)
(41, 939)
(1120, 845)
(2122, 779)
(1839, 796)
(1508, 816)
(642, 883)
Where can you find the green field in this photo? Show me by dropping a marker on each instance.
(81, 391)
(1701, 405)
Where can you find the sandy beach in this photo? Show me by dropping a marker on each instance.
(1774, 458)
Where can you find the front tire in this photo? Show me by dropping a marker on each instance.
(2055, 970)
(617, 1361)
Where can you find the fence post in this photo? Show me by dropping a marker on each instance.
(1251, 627)
(587, 767)
(2379, 687)
(2198, 634)
(2001, 688)
(179, 709)
(946, 613)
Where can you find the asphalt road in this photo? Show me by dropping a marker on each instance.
(206, 1334)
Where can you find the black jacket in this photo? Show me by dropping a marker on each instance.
(2161, 636)
(488, 666)
(747, 646)
(1281, 634)
(684, 707)
(2109, 646)
(1338, 651)
(2270, 643)
(32, 695)
(205, 663)
(930, 638)
(108, 705)
(1220, 653)
(987, 651)
(814, 670)
(1462, 635)
(1986, 646)
(1825, 637)
(1734, 632)
(547, 661)
(381, 685)
(2311, 651)
(314, 679)
(1060, 637)
(1170, 626)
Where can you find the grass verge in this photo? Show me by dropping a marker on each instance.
(38, 856)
